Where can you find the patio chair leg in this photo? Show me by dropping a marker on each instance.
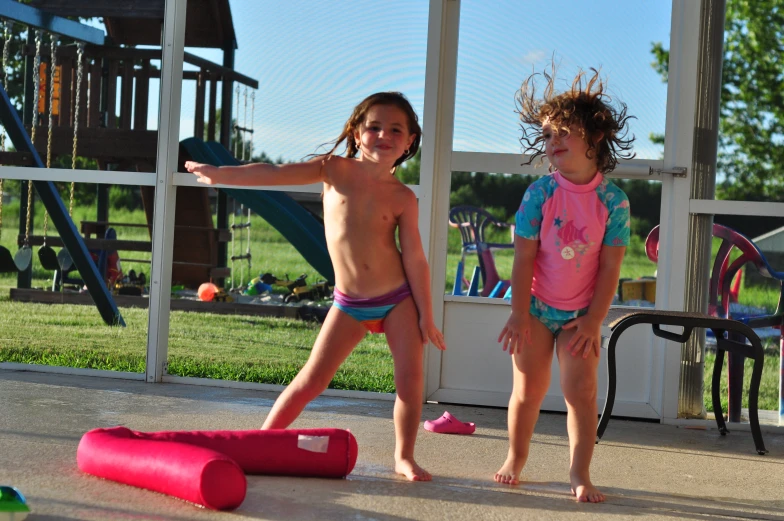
(735, 363)
(457, 289)
(610, 398)
(716, 387)
(498, 290)
(756, 378)
(473, 290)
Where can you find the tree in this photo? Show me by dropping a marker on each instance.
(408, 172)
(751, 128)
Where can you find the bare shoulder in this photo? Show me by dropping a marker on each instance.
(335, 168)
(404, 197)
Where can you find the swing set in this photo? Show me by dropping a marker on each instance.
(116, 133)
(15, 130)
(94, 97)
(49, 260)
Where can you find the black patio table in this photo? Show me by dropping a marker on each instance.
(619, 320)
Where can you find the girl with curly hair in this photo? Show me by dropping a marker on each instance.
(572, 229)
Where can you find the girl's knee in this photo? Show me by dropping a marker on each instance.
(408, 388)
(580, 391)
(310, 385)
(534, 394)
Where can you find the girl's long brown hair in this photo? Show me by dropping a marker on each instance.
(586, 105)
(395, 99)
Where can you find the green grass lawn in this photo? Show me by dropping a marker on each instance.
(769, 387)
(233, 347)
(241, 348)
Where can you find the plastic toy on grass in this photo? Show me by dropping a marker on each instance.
(298, 288)
(257, 287)
(132, 284)
(13, 505)
(311, 292)
(272, 280)
(207, 291)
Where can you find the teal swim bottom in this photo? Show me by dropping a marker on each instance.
(554, 319)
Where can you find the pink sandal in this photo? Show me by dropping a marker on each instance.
(448, 424)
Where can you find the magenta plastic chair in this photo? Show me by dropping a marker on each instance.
(733, 336)
(720, 295)
(472, 223)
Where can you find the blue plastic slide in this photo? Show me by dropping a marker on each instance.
(296, 224)
(60, 218)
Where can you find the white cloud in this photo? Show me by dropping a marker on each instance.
(534, 57)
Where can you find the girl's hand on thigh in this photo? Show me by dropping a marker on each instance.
(587, 336)
(516, 332)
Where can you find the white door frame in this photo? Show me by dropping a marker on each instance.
(439, 160)
(436, 172)
(678, 151)
(165, 191)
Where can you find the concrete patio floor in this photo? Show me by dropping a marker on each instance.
(648, 470)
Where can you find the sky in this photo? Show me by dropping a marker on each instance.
(315, 61)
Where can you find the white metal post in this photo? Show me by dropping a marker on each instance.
(678, 149)
(435, 174)
(165, 192)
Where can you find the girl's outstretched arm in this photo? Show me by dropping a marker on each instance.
(417, 270)
(260, 174)
(588, 336)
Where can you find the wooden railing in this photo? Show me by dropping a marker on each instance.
(113, 126)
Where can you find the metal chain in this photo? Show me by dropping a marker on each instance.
(252, 111)
(79, 71)
(244, 120)
(233, 234)
(242, 270)
(237, 125)
(247, 251)
(52, 69)
(36, 81)
(36, 86)
(29, 206)
(6, 49)
(6, 45)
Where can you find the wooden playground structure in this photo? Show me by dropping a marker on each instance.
(91, 99)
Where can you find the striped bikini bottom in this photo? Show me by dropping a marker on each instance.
(371, 312)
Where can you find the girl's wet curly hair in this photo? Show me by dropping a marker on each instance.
(585, 105)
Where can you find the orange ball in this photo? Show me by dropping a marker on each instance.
(207, 291)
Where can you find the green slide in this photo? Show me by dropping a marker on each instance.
(296, 224)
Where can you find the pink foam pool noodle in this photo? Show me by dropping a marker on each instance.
(196, 474)
(208, 467)
(325, 453)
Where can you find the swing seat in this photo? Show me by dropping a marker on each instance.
(7, 264)
(23, 258)
(48, 258)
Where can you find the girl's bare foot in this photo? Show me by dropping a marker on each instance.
(412, 471)
(585, 492)
(509, 472)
